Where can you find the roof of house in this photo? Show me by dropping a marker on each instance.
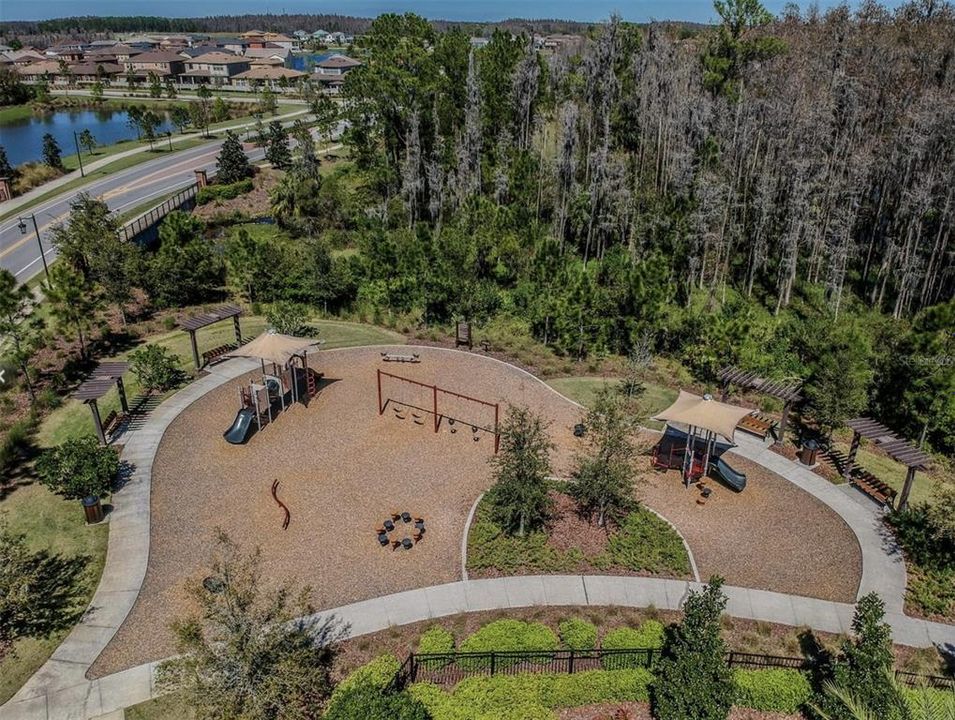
(269, 72)
(93, 68)
(45, 67)
(159, 56)
(25, 55)
(103, 43)
(338, 61)
(279, 52)
(196, 51)
(222, 42)
(271, 60)
(219, 58)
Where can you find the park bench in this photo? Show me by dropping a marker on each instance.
(758, 424)
(112, 422)
(210, 356)
(397, 357)
(873, 487)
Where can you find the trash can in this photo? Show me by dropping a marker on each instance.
(93, 510)
(807, 454)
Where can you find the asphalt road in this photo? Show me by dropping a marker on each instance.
(19, 252)
(122, 191)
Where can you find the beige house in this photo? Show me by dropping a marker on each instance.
(216, 68)
(271, 76)
(336, 65)
(161, 63)
(87, 73)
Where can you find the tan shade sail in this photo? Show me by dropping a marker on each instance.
(705, 413)
(274, 347)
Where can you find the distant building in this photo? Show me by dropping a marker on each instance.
(336, 65)
(259, 39)
(44, 70)
(270, 51)
(161, 63)
(267, 76)
(217, 68)
(22, 58)
(479, 42)
(87, 73)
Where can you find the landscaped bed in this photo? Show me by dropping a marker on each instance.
(642, 544)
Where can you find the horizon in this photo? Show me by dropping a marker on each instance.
(470, 11)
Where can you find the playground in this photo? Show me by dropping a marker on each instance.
(313, 486)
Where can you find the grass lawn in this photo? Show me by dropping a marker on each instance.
(584, 389)
(166, 707)
(56, 526)
(73, 418)
(15, 112)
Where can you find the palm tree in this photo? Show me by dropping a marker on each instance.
(921, 703)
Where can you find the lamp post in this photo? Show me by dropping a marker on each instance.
(23, 231)
(79, 155)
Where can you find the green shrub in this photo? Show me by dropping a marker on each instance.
(155, 367)
(508, 635)
(362, 702)
(377, 674)
(531, 696)
(647, 543)
(436, 640)
(648, 636)
(229, 191)
(578, 634)
(79, 468)
(773, 690)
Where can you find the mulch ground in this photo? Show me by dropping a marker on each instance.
(772, 536)
(641, 711)
(343, 469)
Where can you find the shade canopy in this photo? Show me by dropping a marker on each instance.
(705, 413)
(274, 347)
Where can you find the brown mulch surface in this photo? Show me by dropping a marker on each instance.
(343, 469)
(641, 711)
(252, 204)
(769, 537)
(568, 529)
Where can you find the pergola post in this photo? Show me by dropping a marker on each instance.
(907, 488)
(782, 422)
(853, 449)
(238, 330)
(122, 395)
(195, 349)
(97, 421)
(724, 391)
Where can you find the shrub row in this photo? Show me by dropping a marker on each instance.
(533, 696)
(223, 192)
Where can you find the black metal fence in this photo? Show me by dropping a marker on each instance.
(447, 669)
(138, 227)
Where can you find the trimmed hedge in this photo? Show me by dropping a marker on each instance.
(231, 191)
(578, 634)
(530, 696)
(376, 673)
(772, 690)
(436, 640)
(507, 635)
(365, 701)
(648, 635)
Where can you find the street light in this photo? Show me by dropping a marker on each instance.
(79, 155)
(23, 231)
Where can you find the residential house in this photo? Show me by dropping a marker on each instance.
(164, 64)
(44, 70)
(216, 68)
(274, 77)
(87, 73)
(196, 51)
(236, 45)
(22, 58)
(336, 65)
(284, 55)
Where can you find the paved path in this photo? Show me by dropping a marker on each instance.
(60, 690)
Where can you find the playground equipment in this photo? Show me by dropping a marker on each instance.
(287, 381)
(275, 496)
(400, 358)
(727, 474)
(435, 410)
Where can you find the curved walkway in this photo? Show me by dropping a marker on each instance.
(60, 688)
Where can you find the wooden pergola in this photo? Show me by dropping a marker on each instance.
(897, 448)
(101, 381)
(786, 390)
(197, 322)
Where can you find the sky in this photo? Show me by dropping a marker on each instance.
(463, 10)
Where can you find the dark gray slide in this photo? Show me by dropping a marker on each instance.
(735, 480)
(239, 431)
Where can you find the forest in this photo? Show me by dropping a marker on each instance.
(775, 193)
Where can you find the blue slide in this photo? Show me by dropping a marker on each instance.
(735, 480)
(239, 431)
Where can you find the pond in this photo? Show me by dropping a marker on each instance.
(306, 62)
(23, 138)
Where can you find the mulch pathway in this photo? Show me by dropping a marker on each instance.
(343, 469)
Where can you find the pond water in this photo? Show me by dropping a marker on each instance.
(307, 62)
(23, 138)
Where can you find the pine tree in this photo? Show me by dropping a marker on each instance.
(519, 499)
(73, 303)
(232, 163)
(277, 152)
(16, 323)
(693, 679)
(51, 152)
(6, 170)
